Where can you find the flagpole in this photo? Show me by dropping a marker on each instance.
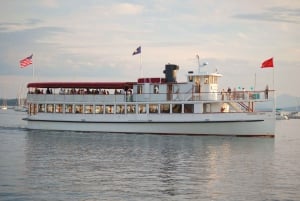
(33, 71)
(274, 94)
(254, 81)
(141, 68)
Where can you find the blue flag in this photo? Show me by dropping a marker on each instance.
(137, 51)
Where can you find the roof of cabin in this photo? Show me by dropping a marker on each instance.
(95, 85)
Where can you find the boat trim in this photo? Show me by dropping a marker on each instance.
(170, 122)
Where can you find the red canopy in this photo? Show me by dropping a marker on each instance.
(92, 85)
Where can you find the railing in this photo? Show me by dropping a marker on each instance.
(239, 96)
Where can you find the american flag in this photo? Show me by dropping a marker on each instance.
(27, 61)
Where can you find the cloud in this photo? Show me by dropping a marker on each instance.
(273, 14)
(19, 26)
(126, 9)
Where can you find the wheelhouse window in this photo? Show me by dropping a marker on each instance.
(153, 108)
(131, 109)
(50, 108)
(206, 79)
(99, 109)
(214, 79)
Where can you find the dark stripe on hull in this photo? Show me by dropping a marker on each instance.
(169, 122)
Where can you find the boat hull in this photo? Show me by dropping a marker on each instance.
(255, 125)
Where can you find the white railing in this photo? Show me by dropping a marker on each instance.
(189, 96)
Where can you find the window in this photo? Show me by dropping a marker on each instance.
(176, 108)
(206, 79)
(89, 109)
(78, 108)
(50, 108)
(142, 108)
(153, 108)
(68, 108)
(120, 109)
(188, 108)
(109, 109)
(41, 108)
(99, 109)
(59, 108)
(165, 108)
(130, 108)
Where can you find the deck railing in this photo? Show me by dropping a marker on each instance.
(255, 96)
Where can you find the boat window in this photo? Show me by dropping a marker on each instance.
(33, 109)
(142, 108)
(130, 108)
(120, 109)
(41, 108)
(50, 108)
(165, 108)
(59, 108)
(188, 108)
(211, 79)
(206, 79)
(176, 108)
(89, 109)
(153, 108)
(99, 109)
(109, 109)
(215, 79)
(68, 108)
(78, 108)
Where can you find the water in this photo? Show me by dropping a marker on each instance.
(51, 165)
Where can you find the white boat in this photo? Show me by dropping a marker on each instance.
(4, 104)
(156, 105)
(281, 115)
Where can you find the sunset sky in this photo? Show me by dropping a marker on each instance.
(93, 40)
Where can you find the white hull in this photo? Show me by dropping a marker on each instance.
(244, 125)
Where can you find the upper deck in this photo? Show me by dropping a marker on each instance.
(199, 88)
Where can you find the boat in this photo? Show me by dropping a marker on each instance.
(280, 115)
(151, 105)
(21, 106)
(4, 104)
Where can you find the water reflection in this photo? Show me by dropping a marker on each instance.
(146, 166)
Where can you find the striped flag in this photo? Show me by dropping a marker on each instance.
(27, 61)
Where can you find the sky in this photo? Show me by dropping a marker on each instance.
(93, 40)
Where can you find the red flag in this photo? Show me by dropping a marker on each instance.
(268, 63)
(27, 61)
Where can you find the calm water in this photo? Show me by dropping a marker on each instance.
(50, 165)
